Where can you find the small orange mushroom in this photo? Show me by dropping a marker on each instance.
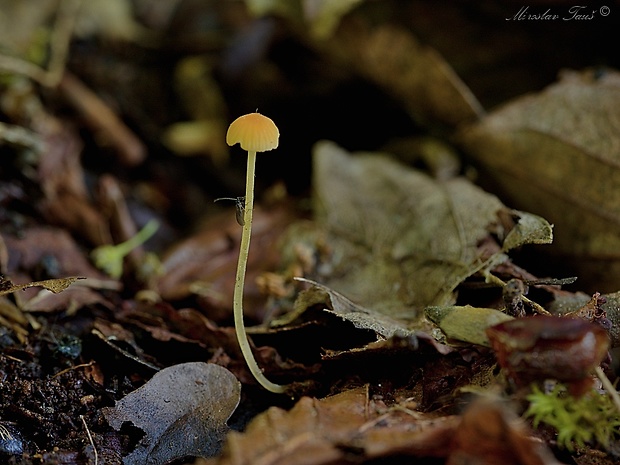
(255, 133)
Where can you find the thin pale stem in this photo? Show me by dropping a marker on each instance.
(244, 250)
(611, 390)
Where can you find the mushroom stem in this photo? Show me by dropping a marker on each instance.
(244, 250)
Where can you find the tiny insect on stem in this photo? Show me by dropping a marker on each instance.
(239, 206)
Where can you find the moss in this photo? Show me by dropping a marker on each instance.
(592, 418)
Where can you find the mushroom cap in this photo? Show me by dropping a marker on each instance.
(254, 132)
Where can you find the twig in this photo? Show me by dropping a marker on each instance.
(74, 367)
(90, 438)
(611, 390)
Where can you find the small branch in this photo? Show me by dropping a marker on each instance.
(90, 438)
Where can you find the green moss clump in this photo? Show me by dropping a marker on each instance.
(592, 418)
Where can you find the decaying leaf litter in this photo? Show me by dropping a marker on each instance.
(371, 289)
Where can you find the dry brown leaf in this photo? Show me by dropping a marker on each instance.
(361, 317)
(557, 154)
(204, 264)
(330, 430)
(402, 240)
(53, 285)
(309, 433)
(488, 433)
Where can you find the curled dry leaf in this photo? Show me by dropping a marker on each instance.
(183, 410)
(53, 285)
(361, 317)
(557, 154)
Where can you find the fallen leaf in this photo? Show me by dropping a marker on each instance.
(401, 240)
(488, 433)
(61, 178)
(530, 229)
(556, 153)
(309, 433)
(361, 317)
(183, 411)
(205, 263)
(348, 428)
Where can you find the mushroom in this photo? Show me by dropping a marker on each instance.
(255, 133)
(536, 348)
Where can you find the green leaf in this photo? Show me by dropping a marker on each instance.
(466, 323)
